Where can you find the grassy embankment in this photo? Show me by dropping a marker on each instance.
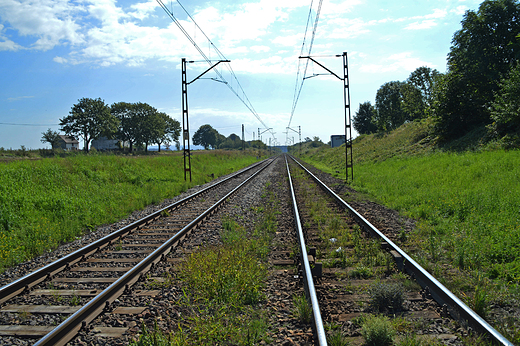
(44, 203)
(466, 200)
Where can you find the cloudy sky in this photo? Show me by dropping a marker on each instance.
(54, 52)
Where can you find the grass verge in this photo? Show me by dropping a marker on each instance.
(223, 290)
(466, 207)
(47, 202)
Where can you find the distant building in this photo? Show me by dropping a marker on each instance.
(336, 140)
(103, 143)
(68, 143)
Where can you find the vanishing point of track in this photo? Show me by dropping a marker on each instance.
(110, 267)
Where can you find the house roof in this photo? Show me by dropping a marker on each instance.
(69, 139)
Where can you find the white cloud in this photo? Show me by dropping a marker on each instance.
(7, 44)
(460, 10)
(51, 21)
(288, 40)
(60, 60)
(143, 9)
(258, 49)
(339, 8)
(19, 98)
(425, 24)
(397, 62)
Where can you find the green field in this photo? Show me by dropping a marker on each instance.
(465, 197)
(46, 202)
(467, 203)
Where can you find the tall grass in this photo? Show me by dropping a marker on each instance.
(47, 202)
(468, 202)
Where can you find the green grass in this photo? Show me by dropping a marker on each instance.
(223, 288)
(465, 196)
(466, 202)
(44, 203)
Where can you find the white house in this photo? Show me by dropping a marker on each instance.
(68, 142)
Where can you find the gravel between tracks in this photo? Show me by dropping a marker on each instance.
(281, 286)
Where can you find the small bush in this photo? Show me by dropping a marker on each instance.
(361, 272)
(414, 340)
(378, 331)
(386, 297)
(336, 338)
(302, 309)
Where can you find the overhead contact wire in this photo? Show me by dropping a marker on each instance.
(297, 95)
(245, 100)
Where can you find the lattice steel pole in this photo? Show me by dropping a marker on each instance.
(348, 122)
(185, 123)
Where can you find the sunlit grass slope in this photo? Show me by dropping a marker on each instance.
(47, 202)
(467, 202)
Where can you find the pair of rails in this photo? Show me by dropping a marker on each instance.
(65, 331)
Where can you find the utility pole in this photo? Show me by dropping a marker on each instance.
(259, 133)
(243, 139)
(185, 122)
(349, 163)
(299, 132)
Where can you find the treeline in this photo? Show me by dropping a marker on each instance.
(209, 137)
(133, 124)
(480, 88)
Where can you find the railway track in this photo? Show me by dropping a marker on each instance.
(359, 275)
(50, 305)
(104, 293)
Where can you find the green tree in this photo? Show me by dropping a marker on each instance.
(128, 126)
(205, 136)
(389, 113)
(231, 142)
(482, 54)
(363, 120)
(51, 137)
(150, 126)
(423, 78)
(505, 110)
(171, 129)
(89, 119)
(220, 140)
(412, 102)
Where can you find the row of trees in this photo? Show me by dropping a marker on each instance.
(209, 137)
(480, 88)
(132, 123)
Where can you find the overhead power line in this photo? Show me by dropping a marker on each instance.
(240, 93)
(15, 124)
(298, 89)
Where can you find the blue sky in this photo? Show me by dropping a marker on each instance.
(54, 52)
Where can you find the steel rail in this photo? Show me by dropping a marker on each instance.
(439, 292)
(65, 331)
(26, 282)
(307, 272)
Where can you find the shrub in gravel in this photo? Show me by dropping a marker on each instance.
(302, 309)
(378, 331)
(386, 297)
(336, 338)
(414, 340)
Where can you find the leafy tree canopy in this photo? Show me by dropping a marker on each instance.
(363, 120)
(51, 137)
(482, 54)
(89, 119)
(506, 106)
(205, 136)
